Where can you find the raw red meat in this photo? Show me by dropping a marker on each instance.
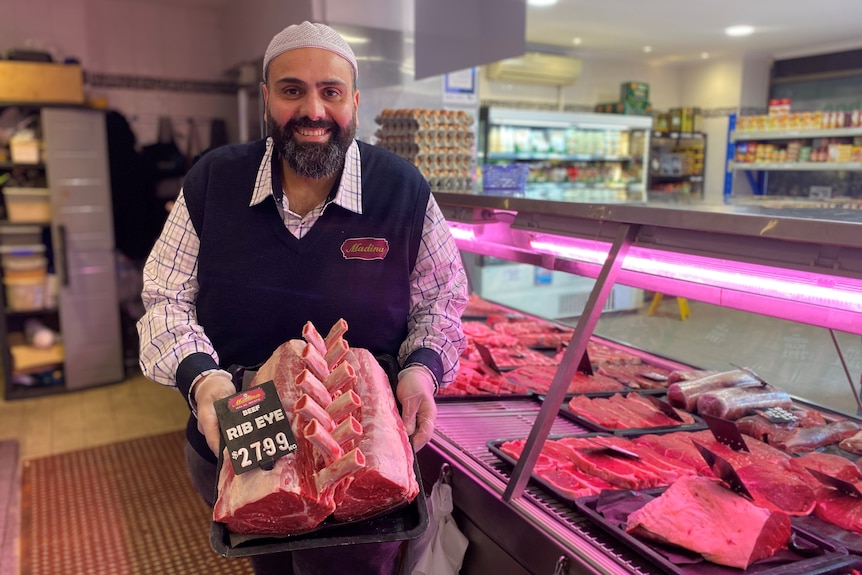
(778, 490)
(668, 469)
(630, 411)
(539, 377)
(842, 510)
(796, 437)
(555, 466)
(735, 402)
(478, 379)
(699, 514)
(829, 464)
(622, 473)
(636, 376)
(684, 394)
(352, 468)
(601, 353)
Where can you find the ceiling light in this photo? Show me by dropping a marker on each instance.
(647, 49)
(704, 55)
(743, 30)
(576, 41)
(541, 3)
(355, 39)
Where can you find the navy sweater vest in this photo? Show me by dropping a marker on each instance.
(259, 284)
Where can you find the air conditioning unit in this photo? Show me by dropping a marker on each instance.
(536, 68)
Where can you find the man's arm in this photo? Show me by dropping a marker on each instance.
(169, 331)
(435, 340)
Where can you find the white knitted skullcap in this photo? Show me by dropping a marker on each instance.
(309, 35)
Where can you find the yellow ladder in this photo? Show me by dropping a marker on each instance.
(681, 302)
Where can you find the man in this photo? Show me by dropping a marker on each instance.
(259, 242)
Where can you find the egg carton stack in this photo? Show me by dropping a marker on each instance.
(438, 142)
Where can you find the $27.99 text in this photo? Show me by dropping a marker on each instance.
(270, 446)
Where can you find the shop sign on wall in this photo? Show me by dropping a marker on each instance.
(460, 87)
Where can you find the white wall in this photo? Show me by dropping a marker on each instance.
(133, 39)
(599, 82)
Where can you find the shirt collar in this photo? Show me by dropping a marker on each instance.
(348, 195)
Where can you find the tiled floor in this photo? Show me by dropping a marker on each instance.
(134, 408)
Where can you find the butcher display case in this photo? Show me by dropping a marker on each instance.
(803, 267)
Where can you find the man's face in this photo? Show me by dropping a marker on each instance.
(311, 110)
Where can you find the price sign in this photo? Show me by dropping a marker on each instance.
(255, 428)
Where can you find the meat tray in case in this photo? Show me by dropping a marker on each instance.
(697, 423)
(401, 524)
(495, 447)
(809, 553)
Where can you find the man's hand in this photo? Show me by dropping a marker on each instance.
(415, 392)
(208, 390)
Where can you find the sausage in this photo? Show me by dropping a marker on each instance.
(685, 394)
(735, 402)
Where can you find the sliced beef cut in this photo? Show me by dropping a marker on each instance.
(828, 464)
(796, 437)
(601, 354)
(630, 411)
(555, 466)
(637, 403)
(353, 459)
(619, 472)
(666, 468)
(676, 446)
(636, 376)
(842, 510)
(778, 490)
(539, 378)
(699, 514)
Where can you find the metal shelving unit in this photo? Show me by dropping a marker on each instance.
(757, 173)
(566, 145)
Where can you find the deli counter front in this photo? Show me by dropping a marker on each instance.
(539, 479)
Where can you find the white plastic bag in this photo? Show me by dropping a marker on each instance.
(440, 550)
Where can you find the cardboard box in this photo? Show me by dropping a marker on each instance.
(27, 204)
(38, 82)
(634, 92)
(627, 108)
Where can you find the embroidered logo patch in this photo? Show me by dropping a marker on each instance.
(365, 248)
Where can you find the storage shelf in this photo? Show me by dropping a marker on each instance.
(32, 391)
(796, 166)
(679, 135)
(12, 165)
(561, 157)
(791, 134)
(677, 177)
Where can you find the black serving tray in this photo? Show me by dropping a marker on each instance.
(482, 397)
(406, 522)
(847, 539)
(832, 554)
(698, 425)
(494, 447)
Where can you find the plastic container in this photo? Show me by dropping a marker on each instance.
(20, 235)
(28, 204)
(511, 178)
(24, 262)
(25, 294)
(24, 151)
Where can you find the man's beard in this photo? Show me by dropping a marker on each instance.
(312, 160)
